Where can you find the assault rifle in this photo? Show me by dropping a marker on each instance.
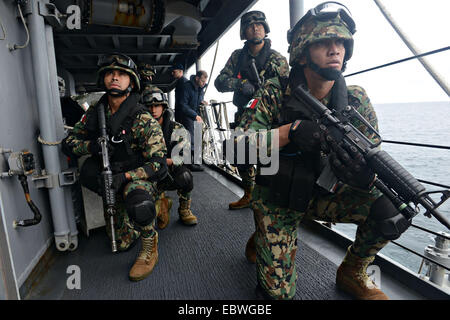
(255, 73)
(394, 181)
(109, 195)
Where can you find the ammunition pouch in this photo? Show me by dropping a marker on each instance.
(389, 222)
(90, 175)
(292, 186)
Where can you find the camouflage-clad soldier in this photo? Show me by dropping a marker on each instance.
(179, 177)
(238, 76)
(137, 156)
(147, 72)
(320, 45)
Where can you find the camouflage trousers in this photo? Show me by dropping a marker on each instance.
(170, 185)
(125, 229)
(276, 233)
(247, 173)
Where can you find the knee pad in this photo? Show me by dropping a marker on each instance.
(183, 178)
(390, 223)
(140, 207)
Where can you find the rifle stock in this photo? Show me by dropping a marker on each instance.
(392, 180)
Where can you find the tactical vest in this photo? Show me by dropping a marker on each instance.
(294, 185)
(243, 71)
(118, 126)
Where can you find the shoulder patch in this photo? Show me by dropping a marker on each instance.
(252, 104)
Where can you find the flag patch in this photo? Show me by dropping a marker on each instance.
(252, 103)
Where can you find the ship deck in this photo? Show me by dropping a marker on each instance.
(202, 262)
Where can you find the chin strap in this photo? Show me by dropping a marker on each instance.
(255, 40)
(118, 93)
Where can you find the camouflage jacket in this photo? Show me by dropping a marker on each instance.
(146, 139)
(276, 65)
(263, 112)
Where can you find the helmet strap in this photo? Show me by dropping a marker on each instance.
(118, 93)
(255, 41)
(329, 74)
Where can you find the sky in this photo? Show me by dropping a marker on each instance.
(426, 23)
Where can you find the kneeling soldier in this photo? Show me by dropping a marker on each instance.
(137, 156)
(179, 177)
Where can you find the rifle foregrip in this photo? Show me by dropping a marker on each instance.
(394, 175)
(110, 195)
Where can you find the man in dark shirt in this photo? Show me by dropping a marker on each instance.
(192, 97)
(178, 74)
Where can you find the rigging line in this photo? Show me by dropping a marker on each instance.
(433, 73)
(212, 67)
(430, 231)
(434, 184)
(420, 255)
(3, 29)
(400, 61)
(418, 144)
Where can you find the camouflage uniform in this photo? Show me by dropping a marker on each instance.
(183, 143)
(276, 227)
(148, 140)
(275, 65)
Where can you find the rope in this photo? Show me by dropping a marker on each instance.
(16, 46)
(48, 143)
(212, 67)
(399, 61)
(3, 29)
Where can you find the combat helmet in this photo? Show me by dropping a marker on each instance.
(146, 70)
(154, 96)
(326, 21)
(253, 17)
(118, 61)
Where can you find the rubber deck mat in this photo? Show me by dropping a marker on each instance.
(199, 262)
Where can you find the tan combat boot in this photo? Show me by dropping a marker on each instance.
(163, 207)
(351, 277)
(250, 249)
(185, 213)
(146, 260)
(244, 202)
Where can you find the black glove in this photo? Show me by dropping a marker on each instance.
(119, 180)
(247, 89)
(309, 136)
(350, 167)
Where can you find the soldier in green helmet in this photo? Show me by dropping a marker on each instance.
(147, 72)
(239, 77)
(179, 176)
(321, 43)
(137, 156)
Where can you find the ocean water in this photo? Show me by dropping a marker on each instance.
(428, 123)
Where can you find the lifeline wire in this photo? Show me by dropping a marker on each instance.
(399, 61)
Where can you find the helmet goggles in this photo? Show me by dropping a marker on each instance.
(116, 59)
(325, 11)
(155, 98)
